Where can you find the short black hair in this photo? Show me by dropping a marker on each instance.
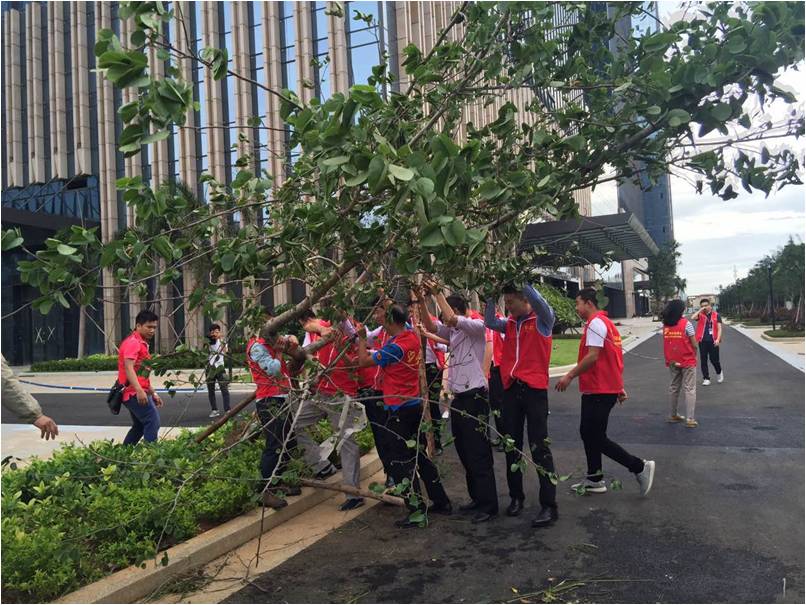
(510, 288)
(266, 334)
(708, 300)
(589, 295)
(144, 317)
(397, 314)
(214, 327)
(673, 312)
(458, 302)
(307, 314)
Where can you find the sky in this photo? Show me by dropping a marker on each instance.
(721, 239)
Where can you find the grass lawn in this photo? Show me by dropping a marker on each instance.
(564, 351)
(781, 333)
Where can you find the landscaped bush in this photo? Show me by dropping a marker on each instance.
(186, 360)
(90, 511)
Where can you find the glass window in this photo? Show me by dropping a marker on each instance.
(365, 43)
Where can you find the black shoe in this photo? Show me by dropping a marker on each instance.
(326, 472)
(390, 483)
(481, 518)
(290, 490)
(515, 508)
(351, 503)
(468, 507)
(407, 523)
(441, 509)
(547, 516)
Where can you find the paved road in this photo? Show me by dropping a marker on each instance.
(724, 522)
(90, 409)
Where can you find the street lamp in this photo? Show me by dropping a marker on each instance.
(772, 299)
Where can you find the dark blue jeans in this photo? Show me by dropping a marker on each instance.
(145, 421)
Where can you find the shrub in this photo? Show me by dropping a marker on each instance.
(90, 511)
(185, 360)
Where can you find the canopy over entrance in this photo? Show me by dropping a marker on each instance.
(591, 240)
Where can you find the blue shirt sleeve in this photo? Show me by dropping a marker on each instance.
(389, 354)
(491, 321)
(544, 312)
(261, 356)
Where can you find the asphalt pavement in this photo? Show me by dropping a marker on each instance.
(723, 523)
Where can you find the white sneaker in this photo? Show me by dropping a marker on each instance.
(706, 382)
(446, 414)
(214, 414)
(594, 487)
(646, 476)
(720, 377)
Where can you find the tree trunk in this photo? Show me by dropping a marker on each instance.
(353, 491)
(82, 332)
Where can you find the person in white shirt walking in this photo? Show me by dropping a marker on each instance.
(215, 370)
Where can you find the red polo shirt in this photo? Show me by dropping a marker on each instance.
(133, 347)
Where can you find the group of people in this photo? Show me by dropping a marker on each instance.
(494, 363)
(681, 341)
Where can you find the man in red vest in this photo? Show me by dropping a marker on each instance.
(399, 361)
(600, 367)
(496, 391)
(264, 355)
(336, 390)
(524, 370)
(709, 335)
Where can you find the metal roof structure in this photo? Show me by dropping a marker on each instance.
(591, 240)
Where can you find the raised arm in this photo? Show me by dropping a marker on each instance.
(544, 312)
(491, 321)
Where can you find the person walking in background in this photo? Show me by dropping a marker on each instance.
(600, 368)
(525, 375)
(139, 397)
(20, 403)
(709, 335)
(680, 352)
(215, 370)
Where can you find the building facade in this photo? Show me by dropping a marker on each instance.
(60, 126)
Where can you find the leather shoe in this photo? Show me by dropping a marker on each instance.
(547, 516)
(351, 503)
(272, 501)
(290, 490)
(515, 508)
(481, 518)
(468, 506)
(444, 508)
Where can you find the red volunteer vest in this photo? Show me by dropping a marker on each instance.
(526, 354)
(439, 355)
(267, 386)
(342, 375)
(374, 372)
(677, 346)
(401, 380)
(702, 320)
(607, 374)
(498, 345)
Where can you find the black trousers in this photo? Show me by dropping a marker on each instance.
(497, 402)
(433, 377)
(276, 422)
(708, 350)
(413, 463)
(469, 411)
(378, 418)
(217, 375)
(524, 405)
(593, 430)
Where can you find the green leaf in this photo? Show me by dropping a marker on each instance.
(11, 239)
(490, 190)
(401, 173)
(424, 186)
(678, 117)
(411, 444)
(227, 262)
(66, 250)
(431, 236)
(242, 178)
(454, 232)
(653, 110)
(544, 181)
(721, 112)
(377, 171)
(357, 179)
(417, 517)
(336, 161)
(576, 142)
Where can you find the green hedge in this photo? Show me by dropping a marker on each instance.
(187, 360)
(90, 511)
(783, 333)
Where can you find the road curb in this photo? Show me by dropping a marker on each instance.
(786, 339)
(133, 583)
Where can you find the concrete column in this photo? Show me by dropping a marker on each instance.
(81, 89)
(36, 109)
(304, 49)
(58, 89)
(217, 160)
(339, 59)
(14, 75)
